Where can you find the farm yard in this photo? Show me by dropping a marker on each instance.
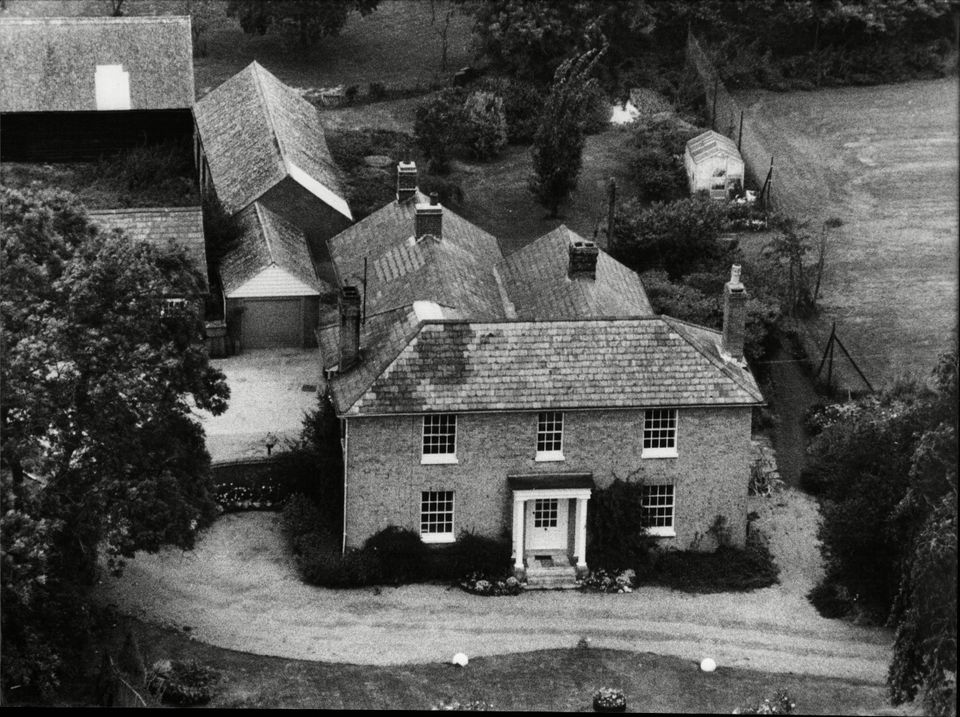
(883, 160)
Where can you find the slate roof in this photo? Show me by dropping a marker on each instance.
(392, 226)
(535, 278)
(253, 127)
(460, 366)
(267, 240)
(49, 64)
(711, 144)
(160, 226)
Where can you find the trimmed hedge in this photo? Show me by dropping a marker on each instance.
(726, 569)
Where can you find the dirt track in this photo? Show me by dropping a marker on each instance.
(237, 590)
(884, 160)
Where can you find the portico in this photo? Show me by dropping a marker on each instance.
(550, 520)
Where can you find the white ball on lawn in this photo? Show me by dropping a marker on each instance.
(460, 659)
(707, 664)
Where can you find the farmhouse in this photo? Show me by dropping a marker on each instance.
(714, 165)
(508, 389)
(269, 283)
(73, 89)
(258, 140)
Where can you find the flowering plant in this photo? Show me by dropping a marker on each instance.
(780, 704)
(482, 584)
(609, 699)
(604, 581)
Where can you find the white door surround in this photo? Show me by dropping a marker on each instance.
(525, 513)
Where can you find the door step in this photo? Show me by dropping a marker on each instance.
(562, 577)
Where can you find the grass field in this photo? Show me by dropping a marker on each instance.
(552, 680)
(884, 160)
(398, 45)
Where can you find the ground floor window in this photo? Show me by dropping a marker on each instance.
(436, 516)
(658, 509)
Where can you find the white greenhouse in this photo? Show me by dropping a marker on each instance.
(714, 164)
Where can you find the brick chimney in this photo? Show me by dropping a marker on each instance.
(734, 315)
(406, 180)
(349, 328)
(583, 259)
(429, 219)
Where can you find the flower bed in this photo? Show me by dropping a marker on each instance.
(606, 581)
(609, 699)
(482, 584)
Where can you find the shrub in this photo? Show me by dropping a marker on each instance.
(609, 699)
(376, 91)
(449, 193)
(657, 174)
(605, 581)
(438, 127)
(473, 553)
(182, 683)
(616, 539)
(780, 704)
(483, 584)
(400, 554)
(350, 94)
(522, 104)
(300, 516)
(348, 147)
(485, 126)
(725, 569)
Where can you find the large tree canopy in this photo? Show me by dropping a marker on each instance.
(99, 375)
(308, 19)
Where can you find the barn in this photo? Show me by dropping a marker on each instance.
(76, 88)
(270, 286)
(714, 164)
(259, 141)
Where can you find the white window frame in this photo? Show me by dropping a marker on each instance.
(662, 531)
(544, 417)
(648, 418)
(447, 536)
(438, 458)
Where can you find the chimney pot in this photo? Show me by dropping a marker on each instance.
(349, 301)
(583, 259)
(734, 315)
(406, 180)
(434, 199)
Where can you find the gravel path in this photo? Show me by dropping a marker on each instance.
(238, 590)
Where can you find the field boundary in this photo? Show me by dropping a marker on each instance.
(725, 113)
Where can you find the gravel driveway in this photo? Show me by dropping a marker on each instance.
(238, 590)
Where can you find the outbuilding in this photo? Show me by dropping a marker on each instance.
(714, 164)
(270, 286)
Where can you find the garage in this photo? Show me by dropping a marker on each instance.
(266, 323)
(271, 287)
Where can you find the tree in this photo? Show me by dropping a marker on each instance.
(309, 20)
(529, 39)
(438, 127)
(557, 150)
(99, 375)
(485, 124)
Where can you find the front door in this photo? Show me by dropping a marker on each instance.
(547, 524)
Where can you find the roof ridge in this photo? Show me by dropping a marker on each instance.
(258, 83)
(722, 365)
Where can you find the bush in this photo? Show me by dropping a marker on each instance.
(483, 584)
(657, 174)
(723, 570)
(616, 539)
(780, 704)
(348, 147)
(597, 110)
(300, 516)
(350, 94)
(473, 553)
(485, 126)
(400, 554)
(438, 127)
(376, 91)
(449, 193)
(182, 683)
(604, 581)
(522, 104)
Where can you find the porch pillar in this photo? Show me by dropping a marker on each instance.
(518, 520)
(580, 537)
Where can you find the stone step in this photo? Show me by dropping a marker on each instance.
(565, 582)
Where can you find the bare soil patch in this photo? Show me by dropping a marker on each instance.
(884, 160)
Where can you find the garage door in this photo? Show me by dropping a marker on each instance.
(272, 323)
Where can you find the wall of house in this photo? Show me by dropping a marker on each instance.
(710, 473)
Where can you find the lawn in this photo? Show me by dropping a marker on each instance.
(554, 680)
(884, 160)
